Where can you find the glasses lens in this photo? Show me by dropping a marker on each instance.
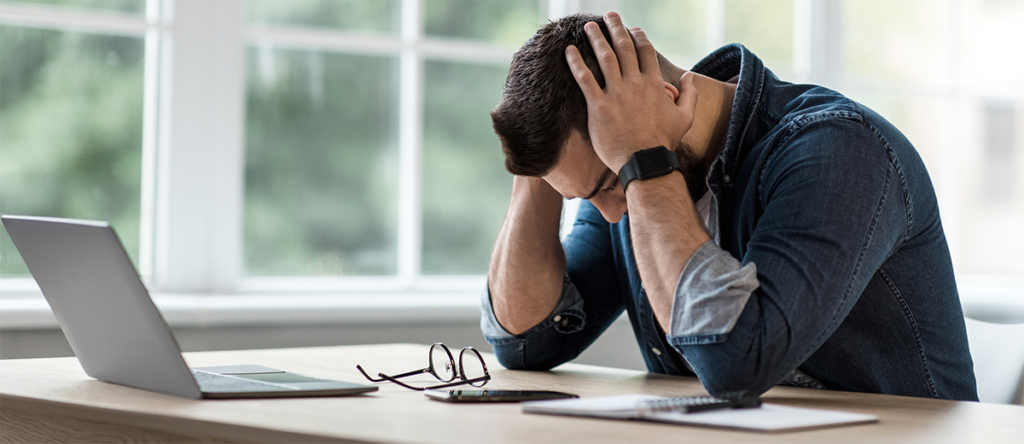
(473, 366)
(441, 363)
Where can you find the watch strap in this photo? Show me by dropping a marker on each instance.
(648, 164)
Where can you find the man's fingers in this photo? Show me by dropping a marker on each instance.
(584, 78)
(687, 100)
(623, 43)
(606, 57)
(646, 54)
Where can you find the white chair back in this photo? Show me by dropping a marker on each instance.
(998, 353)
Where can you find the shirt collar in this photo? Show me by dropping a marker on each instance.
(725, 63)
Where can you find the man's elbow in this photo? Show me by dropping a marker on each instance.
(509, 356)
(733, 387)
(732, 379)
(512, 354)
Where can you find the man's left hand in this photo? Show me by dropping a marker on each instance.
(636, 110)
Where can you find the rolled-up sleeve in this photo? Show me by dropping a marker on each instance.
(589, 302)
(711, 293)
(833, 212)
(567, 316)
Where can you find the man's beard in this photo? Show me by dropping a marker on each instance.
(693, 170)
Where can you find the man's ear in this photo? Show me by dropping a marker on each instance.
(673, 93)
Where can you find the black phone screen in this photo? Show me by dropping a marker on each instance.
(495, 395)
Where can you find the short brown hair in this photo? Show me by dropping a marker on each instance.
(542, 103)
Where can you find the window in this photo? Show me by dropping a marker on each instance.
(343, 146)
(321, 159)
(1000, 139)
(357, 142)
(73, 120)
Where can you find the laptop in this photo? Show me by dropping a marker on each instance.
(116, 331)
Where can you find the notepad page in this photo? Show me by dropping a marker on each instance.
(622, 407)
(768, 418)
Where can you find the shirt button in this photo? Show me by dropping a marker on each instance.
(656, 351)
(557, 318)
(726, 178)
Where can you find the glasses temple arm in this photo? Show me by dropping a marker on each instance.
(366, 375)
(392, 379)
(414, 372)
(451, 384)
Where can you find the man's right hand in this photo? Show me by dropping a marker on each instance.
(528, 263)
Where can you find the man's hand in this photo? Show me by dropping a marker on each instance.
(637, 109)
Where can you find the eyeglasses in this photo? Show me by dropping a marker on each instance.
(471, 369)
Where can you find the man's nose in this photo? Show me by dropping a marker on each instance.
(609, 208)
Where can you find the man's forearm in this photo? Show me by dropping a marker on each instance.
(666, 231)
(528, 263)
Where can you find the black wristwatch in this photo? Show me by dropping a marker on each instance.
(648, 164)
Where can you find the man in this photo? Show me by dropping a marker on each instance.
(814, 254)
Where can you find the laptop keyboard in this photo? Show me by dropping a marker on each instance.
(212, 382)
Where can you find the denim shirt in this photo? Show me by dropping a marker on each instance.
(828, 265)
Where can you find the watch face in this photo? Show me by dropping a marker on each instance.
(653, 162)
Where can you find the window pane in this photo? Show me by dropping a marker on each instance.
(71, 142)
(766, 28)
(990, 162)
(505, 21)
(677, 28)
(991, 47)
(131, 6)
(357, 15)
(465, 186)
(894, 41)
(321, 163)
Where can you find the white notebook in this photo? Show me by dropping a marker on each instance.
(767, 418)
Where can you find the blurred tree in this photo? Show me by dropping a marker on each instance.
(503, 21)
(130, 6)
(355, 15)
(465, 186)
(321, 178)
(70, 130)
(766, 28)
(677, 28)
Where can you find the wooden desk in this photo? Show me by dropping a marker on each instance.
(53, 400)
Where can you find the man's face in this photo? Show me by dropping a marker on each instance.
(581, 174)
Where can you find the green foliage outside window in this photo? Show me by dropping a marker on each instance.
(321, 177)
(353, 15)
(677, 28)
(465, 186)
(129, 6)
(70, 130)
(503, 21)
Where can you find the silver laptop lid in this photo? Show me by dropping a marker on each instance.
(101, 303)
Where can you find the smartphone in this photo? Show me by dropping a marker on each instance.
(494, 395)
